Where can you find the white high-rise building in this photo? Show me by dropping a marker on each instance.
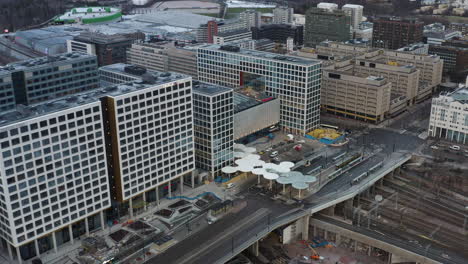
(327, 6)
(53, 171)
(252, 18)
(449, 116)
(355, 12)
(283, 15)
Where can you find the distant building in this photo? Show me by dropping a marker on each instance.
(164, 56)
(449, 116)
(232, 35)
(463, 28)
(279, 33)
(45, 78)
(7, 92)
(206, 32)
(109, 49)
(395, 33)
(355, 12)
(213, 111)
(439, 37)
(454, 53)
(418, 48)
(283, 15)
(328, 6)
(251, 18)
(323, 24)
(90, 15)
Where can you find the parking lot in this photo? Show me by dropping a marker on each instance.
(293, 150)
(447, 151)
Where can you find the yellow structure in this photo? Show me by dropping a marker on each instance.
(327, 133)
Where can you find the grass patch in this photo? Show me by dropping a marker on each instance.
(209, 14)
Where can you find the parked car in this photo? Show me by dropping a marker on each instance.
(434, 147)
(230, 185)
(455, 147)
(274, 154)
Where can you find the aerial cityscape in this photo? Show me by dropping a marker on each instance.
(233, 131)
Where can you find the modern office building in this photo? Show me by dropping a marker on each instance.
(449, 116)
(323, 24)
(251, 18)
(109, 49)
(45, 78)
(279, 33)
(394, 33)
(121, 73)
(454, 53)
(351, 94)
(213, 111)
(283, 15)
(355, 13)
(233, 35)
(439, 37)
(55, 182)
(295, 81)
(7, 93)
(150, 56)
(418, 48)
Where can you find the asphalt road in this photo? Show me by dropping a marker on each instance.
(432, 253)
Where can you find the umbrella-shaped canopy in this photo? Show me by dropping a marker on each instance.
(300, 185)
(259, 171)
(238, 154)
(229, 169)
(287, 164)
(250, 150)
(310, 179)
(270, 176)
(245, 167)
(283, 180)
(252, 157)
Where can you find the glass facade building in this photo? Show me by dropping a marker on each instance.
(294, 80)
(7, 93)
(213, 110)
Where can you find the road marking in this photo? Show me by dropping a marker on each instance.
(258, 215)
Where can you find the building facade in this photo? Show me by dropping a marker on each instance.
(55, 183)
(109, 49)
(213, 112)
(7, 93)
(232, 35)
(45, 78)
(251, 18)
(295, 81)
(279, 33)
(206, 32)
(324, 24)
(449, 116)
(455, 56)
(355, 12)
(395, 33)
(153, 57)
(359, 96)
(283, 15)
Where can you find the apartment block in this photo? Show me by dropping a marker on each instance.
(356, 95)
(251, 18)
(283, 15)
(355, 13)
(150, 56)
(394, 33)
(53, 166)
(206, 32)
(164, 56)
(449, 116)
(213, 111)
(295, 81)
(45, 78)
(454, 54)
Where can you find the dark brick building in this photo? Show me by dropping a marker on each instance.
(279, 33)
(394, 33)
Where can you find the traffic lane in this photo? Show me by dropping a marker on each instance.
(211, 232)
(227, 245)
(389, 140)
(431, 253)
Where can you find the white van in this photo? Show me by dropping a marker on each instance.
(230, 185)
(455, 147)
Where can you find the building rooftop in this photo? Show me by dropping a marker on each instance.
(100, 38)
(33, 111)
(208, 89)
(243, 102)
(460, 95)
(89, 12)
(39, 62)
(261, 54)
(233, 32)
(174, 18)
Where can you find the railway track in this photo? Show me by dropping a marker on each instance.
(428, 232)
(417, 201)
